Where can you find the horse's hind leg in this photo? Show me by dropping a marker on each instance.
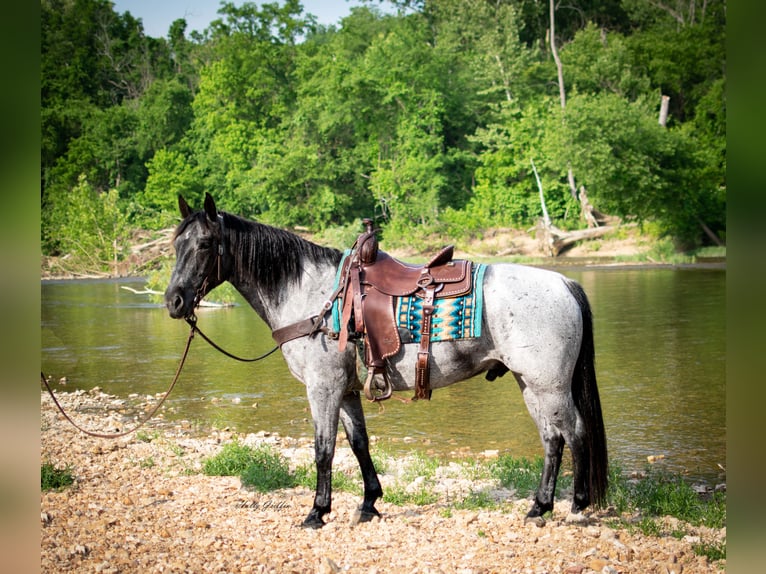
(560, 423)
(352, 417)
(553, 444)
(548, 414)
(580, 468)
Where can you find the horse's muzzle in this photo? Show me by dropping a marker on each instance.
(178, 306)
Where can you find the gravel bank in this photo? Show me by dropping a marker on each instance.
(142, 505)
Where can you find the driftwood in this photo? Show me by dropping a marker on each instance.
(162, 243)
(202, 303)
(555, 240)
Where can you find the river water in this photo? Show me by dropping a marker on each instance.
(660, 360)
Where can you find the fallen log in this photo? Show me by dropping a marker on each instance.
(569, 238)
(554, 240)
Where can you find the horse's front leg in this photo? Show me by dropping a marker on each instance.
(325, 409)
(352, 417)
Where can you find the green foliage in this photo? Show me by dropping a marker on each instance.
(54, 478)
(158, 278)
(400, 496)
(521, 474)
(597, 61)
(170, 174)
(233, 459)
(306, 476)
(260, 468)
(92, 227)
(268, 471)
(711, 550)
(426, 120)
(475, 500)
(658, 494)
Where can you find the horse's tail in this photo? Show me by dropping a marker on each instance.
(585, 393)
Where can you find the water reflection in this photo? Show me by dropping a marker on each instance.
(660, 358)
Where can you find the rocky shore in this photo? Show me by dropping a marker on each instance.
(141, 504)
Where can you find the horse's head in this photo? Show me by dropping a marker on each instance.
(199, 258)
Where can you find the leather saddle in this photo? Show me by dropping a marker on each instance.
(372, 281)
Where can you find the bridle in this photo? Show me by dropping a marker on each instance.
(215, 266)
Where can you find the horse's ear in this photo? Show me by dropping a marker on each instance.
(210, 209)
(183, 206)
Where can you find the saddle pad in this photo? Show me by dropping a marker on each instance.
(336, 310)
(453, 318)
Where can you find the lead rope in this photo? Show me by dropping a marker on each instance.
(193, 322)
(145, 419)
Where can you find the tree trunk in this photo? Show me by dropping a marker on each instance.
(665, 103)
(587, 208)
(544, 228)
(562, 89)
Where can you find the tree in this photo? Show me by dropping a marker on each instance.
(94, 231)
(632, 166)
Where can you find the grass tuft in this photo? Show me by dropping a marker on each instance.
(53, 478)
(658, 494)
(233, 459)
(261, 467)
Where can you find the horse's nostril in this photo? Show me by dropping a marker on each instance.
(174, 303)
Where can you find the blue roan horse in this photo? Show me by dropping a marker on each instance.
(536, 324)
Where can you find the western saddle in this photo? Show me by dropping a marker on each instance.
(370, 281)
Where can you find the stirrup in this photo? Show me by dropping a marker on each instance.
(383, 392)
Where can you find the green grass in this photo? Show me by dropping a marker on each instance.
(307, 476)
(269, 471)
(400, 496)
(261, 467)
(147, 462)
(523, 475)
(658, 494)
(711, 251)
(233, 459)
(476, 500)
(420, 465)
(53, 478)
(144, 436)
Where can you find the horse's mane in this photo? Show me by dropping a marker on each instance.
(272, 257)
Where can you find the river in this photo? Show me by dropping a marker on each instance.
(660, 361)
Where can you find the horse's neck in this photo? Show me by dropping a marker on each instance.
(297, 300)
(294, 300)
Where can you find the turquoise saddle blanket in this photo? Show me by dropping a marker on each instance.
(453, 318)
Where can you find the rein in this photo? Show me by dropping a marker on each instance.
(145, 419)
(192, 321)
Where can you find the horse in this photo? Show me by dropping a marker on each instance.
(536, 324)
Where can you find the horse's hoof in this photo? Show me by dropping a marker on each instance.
(313, 522)
(360, 515)
(538, 521)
